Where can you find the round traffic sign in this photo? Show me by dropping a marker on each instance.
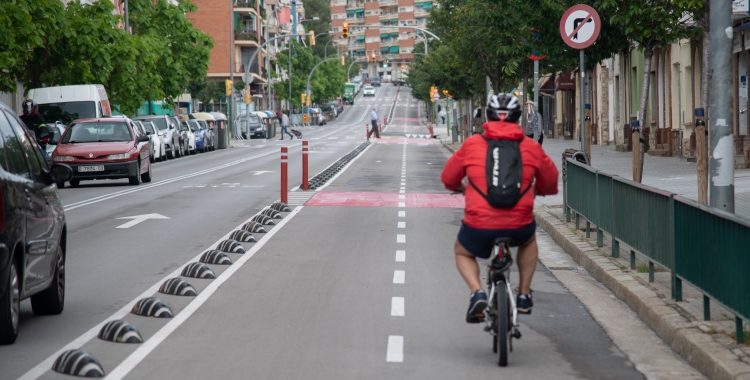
(580, 26)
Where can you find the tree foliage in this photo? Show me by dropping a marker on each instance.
(46, 42)
(326, 83)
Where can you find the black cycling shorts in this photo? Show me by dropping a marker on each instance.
(479, 242)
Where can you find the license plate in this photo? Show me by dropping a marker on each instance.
(94, 168)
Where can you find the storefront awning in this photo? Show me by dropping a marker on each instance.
(394, 33)
(385, 35)
(394, 20)
(427, 6)
(360, 38)
(359, 50)
(350, 12)
(358, 13)
(383, 49)
(394, 49)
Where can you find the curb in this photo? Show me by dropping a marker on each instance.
(451, 148)
(684, 337)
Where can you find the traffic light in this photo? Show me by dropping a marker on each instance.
(248, 98)
(345, 30)
(374, 59)
(343, 60)
(312, 37)
(303, 98)
(228, 87)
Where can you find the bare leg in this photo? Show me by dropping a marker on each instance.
(527, 258)
(467, 266)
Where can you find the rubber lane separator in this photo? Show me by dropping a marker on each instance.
(41, 368)
(141, 352)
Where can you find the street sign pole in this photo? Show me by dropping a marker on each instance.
(579, 29)
(536, 99)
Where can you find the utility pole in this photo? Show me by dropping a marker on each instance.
(536, 99)
(289, 72)
(721, 168)
(127, 17)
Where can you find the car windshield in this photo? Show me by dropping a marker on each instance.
(254, 119)
(97, 132)
(349, 91)
(159, 122)
(194, 126)
(202, 124)
(149, 127)
(66, 112)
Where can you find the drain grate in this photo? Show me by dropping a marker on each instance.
(120, 331)
(78, 363)
(321, 178)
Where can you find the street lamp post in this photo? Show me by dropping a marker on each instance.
(294, 32)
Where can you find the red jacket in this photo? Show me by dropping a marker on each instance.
(470, 161)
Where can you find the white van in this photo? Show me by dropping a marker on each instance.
(68, 103)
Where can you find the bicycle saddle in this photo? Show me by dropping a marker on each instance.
(502, 240)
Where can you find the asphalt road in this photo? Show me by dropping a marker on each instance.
(204, 196)
(359, 283)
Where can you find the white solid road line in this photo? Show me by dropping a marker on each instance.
(401, 224)
(397, 307)
(402, 214)
(141, 352)
(400, 256)
(399, 277)
(46, 364)
(395, 352)
(400, 238)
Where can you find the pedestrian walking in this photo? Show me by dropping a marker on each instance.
(442, 115)
(374, 121)
(279, 115)
(533, 121)
(477, 127)
(440, 109)
(285, 126)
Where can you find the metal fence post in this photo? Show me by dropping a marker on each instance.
(738, 327)
(599, 233)
(676, 282)
(706, 308)
(565, 189)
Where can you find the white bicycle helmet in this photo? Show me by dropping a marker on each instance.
(503, 107)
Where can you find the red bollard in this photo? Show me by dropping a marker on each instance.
(304, 165)
(284, 188)
(380, 125)
(367, 132)
(432, 134)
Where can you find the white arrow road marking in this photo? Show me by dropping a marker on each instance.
(139, 218)
(259, 172)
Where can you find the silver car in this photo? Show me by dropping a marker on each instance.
(170, 133)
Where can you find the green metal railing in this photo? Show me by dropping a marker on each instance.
(708, 249)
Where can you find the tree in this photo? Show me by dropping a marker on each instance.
(649, 24)
(322, 10)
(326, 83)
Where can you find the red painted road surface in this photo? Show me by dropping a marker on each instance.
(364, 199)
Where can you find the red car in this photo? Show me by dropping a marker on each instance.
(108, 148)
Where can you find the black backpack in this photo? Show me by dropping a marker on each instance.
(504, 170)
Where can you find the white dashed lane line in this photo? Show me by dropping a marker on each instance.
(402, 214)
(399, 277)
(397, 307)
(395, 353)
(400, 238)
(400, 256)
(401, 224)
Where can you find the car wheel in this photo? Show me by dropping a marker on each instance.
(52, 300)
(136, 179)
(75, 182)
(10, 307)
(146, 177)
(194, 151)
(170, 155)
(151, 158)
(61, 185)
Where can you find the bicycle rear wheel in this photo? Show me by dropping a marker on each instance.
(503, 322)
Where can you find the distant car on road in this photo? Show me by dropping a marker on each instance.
(375, 82)
(57, 130)
(104, 149)
(368, 91)
(32, 228)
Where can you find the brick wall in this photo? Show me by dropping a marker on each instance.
(212, 18)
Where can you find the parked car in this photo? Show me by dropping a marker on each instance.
(317, 112)
(210, 122)
(368, 91)
(57, 130)
(255, 127)
(185, 128)
(194, 134)
(200, 134)
(32, 228)
(208, 135)
(104, 149)
(171, 135)
(184, 136)
(68, 103)
(158, 152)
(339, 104)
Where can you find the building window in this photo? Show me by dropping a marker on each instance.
(409, 22)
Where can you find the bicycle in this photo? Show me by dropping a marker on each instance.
(501, 314)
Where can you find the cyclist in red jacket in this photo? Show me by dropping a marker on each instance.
(482, 223)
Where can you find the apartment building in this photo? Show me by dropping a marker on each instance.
(374, 30)
(254, 22)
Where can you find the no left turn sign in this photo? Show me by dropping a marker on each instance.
(580, 26)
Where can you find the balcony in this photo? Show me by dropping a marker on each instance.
(246, 38)
(388, 2)
(245, 6)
